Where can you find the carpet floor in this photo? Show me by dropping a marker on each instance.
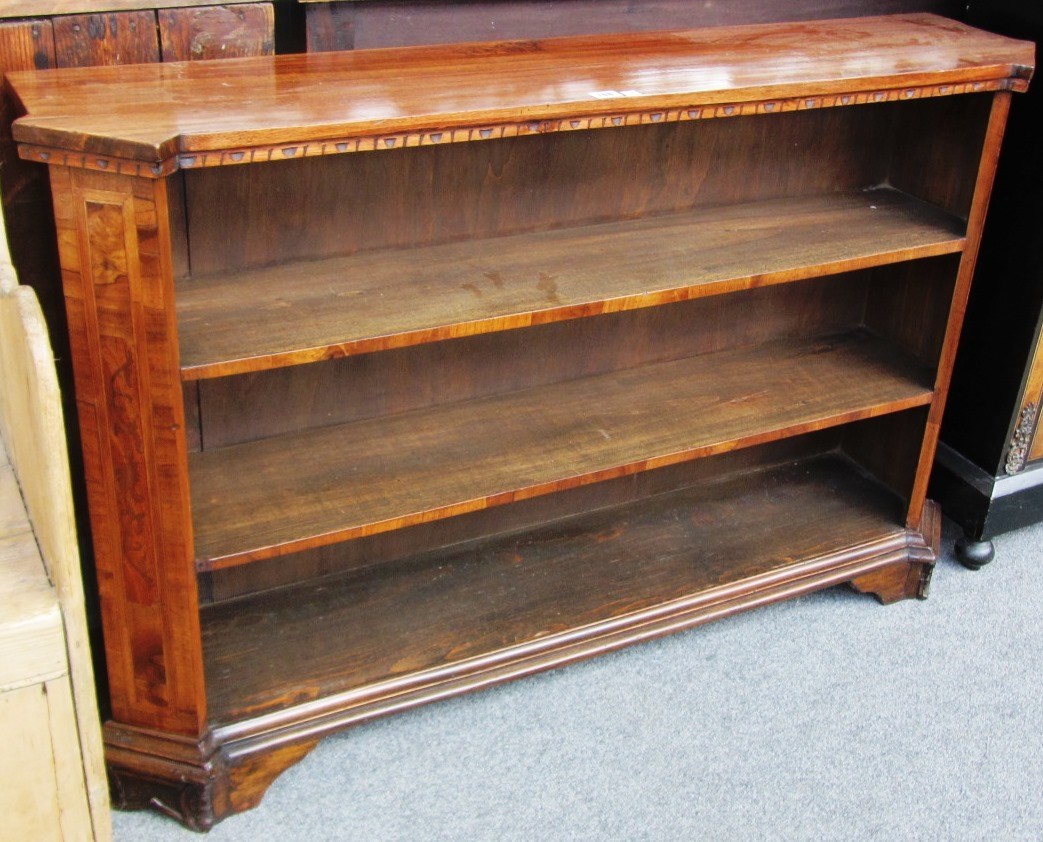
(828, 717)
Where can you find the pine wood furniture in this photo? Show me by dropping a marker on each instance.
(404, 372)
(989, 470)
(52, 774)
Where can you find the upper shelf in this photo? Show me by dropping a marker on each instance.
(308, 311)
(221, 112)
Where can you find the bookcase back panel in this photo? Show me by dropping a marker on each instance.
(908, 303)
(884, 447)
(243, 216)
(887, 447)
(937, 147)
(229, 583)
(253, 406)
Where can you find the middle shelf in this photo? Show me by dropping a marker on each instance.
(307, 489)
(305, 311)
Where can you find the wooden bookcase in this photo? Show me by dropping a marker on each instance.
(404, 372)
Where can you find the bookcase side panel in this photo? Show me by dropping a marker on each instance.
(114, 245)
(983, 172)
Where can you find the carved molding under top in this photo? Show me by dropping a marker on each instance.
(467, 134)
(1022, 439)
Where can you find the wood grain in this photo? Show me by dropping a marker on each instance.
(24, 189)
(212, 32)
(32, 428)
(991, 133)
(114, 244)
(300, 313)
(116, 38)
(326, 485)
(136, 114)
(42, 8)
(399, 23)
(401, 544)
(240, 217)
(902, 304)
(26, 45)
(32, 648)
(252, 406)
(440, 609)
(29, 795)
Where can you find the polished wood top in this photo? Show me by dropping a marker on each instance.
(154, 113)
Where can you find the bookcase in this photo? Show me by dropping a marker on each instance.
(404, 372)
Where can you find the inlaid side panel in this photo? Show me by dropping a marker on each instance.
(113, 235)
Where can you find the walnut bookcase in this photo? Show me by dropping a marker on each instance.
(405, 372)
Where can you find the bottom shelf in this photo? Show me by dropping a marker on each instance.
(464, 616)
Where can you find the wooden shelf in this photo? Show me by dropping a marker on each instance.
(308, 311)
(297, 491)
(592, 573)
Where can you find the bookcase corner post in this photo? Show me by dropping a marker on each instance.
(115, 254)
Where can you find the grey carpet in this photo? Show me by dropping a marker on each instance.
(829, 717)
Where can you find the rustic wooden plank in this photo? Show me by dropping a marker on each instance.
(211, 32)
(32, 427)
(105, 39)
(28, 791)
(32, 646)
(47, 8)
(74, 773)
(391, 23)
(519, 86)
(304, 312)
(26, 45)
(306, 642)
(321, 486)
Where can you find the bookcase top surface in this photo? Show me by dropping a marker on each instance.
(155, 113)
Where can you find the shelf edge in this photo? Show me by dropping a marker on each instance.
(315, 719)
(220, 562)
(502, 323)
(157, 158)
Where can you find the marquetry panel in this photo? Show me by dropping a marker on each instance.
(113, 237)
